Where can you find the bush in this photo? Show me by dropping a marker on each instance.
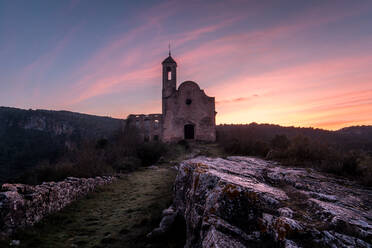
(350, 163)
(150, 153)
(298, 150)
(127, 164)
(280, 142)
(364, 169)
(99, 157)
(91, 158)
(184, 143)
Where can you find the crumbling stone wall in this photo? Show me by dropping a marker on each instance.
(23, 205)
(149, 126)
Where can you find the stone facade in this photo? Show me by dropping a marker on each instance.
(187, 112)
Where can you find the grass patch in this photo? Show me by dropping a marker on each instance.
(116, 215)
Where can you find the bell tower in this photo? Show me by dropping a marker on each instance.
(169, 78)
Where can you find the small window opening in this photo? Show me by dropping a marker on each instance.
(146, 139)
(156, 137)
(169, 73)
(156, 123)
(188, 101)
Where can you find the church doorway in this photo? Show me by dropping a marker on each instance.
(189, 131)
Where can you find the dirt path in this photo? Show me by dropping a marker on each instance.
(118, 215)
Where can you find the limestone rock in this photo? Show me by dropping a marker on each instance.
(249, 202)
(169, 217)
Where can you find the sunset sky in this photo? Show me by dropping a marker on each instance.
(300, 63)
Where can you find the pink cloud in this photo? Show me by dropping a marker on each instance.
(120, 66)
(308, 94)
(94, 80)
(297, 78)
(236, 100)
(110, 84)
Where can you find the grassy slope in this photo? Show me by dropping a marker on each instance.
(118, 215)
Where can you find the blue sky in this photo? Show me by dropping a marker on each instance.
(302, 63)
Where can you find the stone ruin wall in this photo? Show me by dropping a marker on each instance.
(149, 126)
(24, 205)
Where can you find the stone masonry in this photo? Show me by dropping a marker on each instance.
(24, 205)
(187, 112)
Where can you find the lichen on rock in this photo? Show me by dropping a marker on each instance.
(249, 202)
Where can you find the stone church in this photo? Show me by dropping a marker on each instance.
(187, 112)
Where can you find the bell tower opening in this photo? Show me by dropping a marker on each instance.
(189, 132)
(169, 70)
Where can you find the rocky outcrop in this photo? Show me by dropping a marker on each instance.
(249, 202)
(23, 205)
(41, 123)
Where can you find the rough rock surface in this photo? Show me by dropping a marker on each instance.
(23, 205)
(249, 202)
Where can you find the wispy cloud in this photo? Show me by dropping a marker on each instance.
(304, 67)
(108, 69)
(238, 99)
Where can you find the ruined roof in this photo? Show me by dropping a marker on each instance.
(169, 60)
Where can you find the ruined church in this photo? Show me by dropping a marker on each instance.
(187, 112)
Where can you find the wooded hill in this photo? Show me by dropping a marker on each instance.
(30, 136)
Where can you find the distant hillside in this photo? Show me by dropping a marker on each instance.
(365, 131)
(345, 152)
(29, 136)
(355, 137)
